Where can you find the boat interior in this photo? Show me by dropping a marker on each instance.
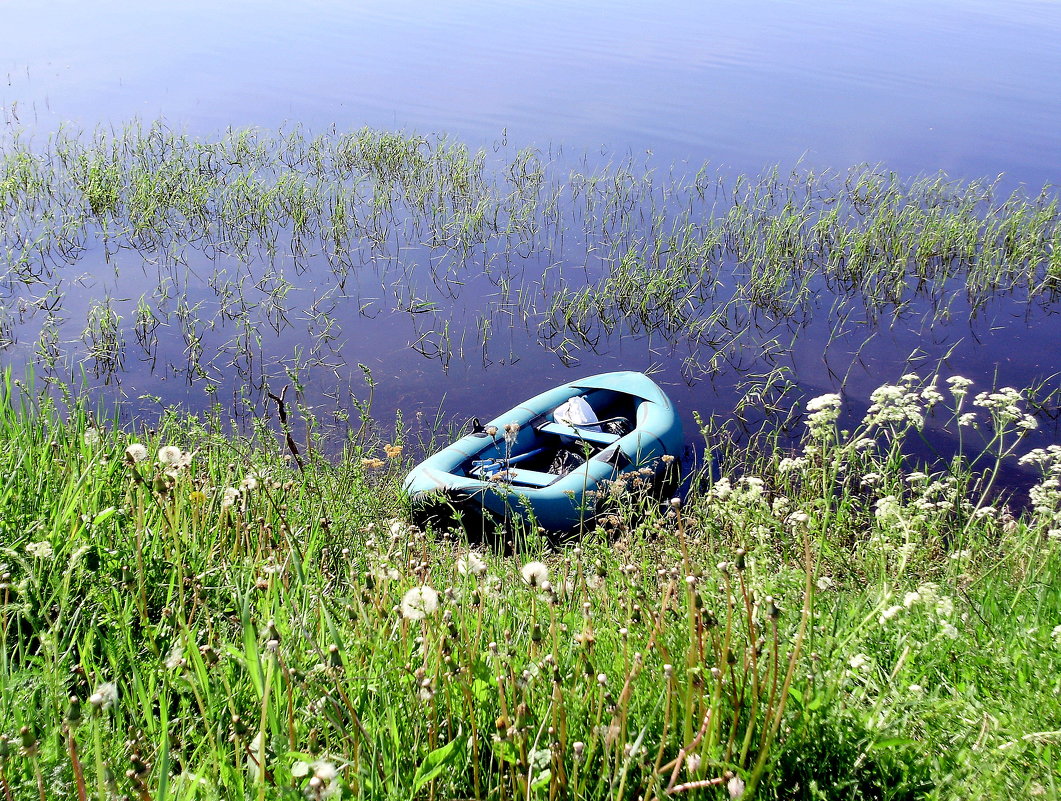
(551, 450)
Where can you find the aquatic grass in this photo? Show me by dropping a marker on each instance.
(770, 244)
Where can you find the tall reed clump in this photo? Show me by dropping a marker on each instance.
(187, 614)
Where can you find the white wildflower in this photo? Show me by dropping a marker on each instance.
(229, 497)
(1056, 634)
(1003, 404)
(929, 592)
(948, 630)
(887, 507)
(136, 452)
(825, 583)
(824, 411)
(889, 613)
(944, 606)
(325, 770)
(175, 658)
(968, 419)
(40, 550)
(894, 405)
(398, 528)
(790, 464)
(105, 696)
(250, 482)
(735, 787)
(471, 565)
(959, 386)
(169, 455)
(1028, 423)
(419, 602)
(871, 479)
(860, 662)
(751, 487)
(92, 437)
(535, 573)
(722, 489)
(931, 396)
(916, 689)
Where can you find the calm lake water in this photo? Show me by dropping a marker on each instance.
(968, 88)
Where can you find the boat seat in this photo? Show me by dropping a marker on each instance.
(596, 437)
(530, 478)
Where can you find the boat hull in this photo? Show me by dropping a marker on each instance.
(485, 479)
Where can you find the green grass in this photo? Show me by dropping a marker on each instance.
(573, 253)
(829, 622)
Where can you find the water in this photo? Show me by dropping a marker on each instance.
(968, 88)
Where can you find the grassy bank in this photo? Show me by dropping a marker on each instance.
(187, 614)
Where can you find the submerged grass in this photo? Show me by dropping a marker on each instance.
(386, 220)
(184, 613)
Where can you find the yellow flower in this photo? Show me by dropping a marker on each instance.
(372, 464)
(198, 497)
(392, 451)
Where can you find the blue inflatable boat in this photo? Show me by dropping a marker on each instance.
(545, 460)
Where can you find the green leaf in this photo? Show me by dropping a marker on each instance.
(435, 762)
(891, 742)
(504, 750)
(481, 691)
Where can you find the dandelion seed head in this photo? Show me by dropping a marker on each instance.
(419, 602)
(105, 696)
(169, 455)
(136, 452)
(471, 564)
(535, 573)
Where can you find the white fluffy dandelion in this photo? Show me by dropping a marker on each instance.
(136, 452)
(105, 696)
(535, 573)
(169, 455)
(419, 602)
(471, 565)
